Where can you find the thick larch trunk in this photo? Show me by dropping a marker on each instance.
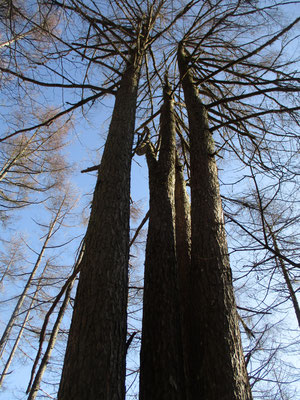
(161, 370)
(94, 366)
(216, 362)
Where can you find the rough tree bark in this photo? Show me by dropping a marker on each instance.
(94, 366)
(216, 362)
(183, 228)
(183, 253)
(161, 370)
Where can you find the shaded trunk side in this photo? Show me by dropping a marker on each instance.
(217, 367)
(183, 253)
(161, 370)
(94, 366)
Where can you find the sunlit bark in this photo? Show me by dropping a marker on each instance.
(94, 365)
(216, 362)
(161, 371)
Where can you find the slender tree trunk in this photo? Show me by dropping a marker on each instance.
(21, 330)
(8, 266)
(216, 362)
(94, 366)
(14, 158)
(22, 297)
(52, 340)
(183, 253)
(161, 370)
(281, 265)
(183, 227)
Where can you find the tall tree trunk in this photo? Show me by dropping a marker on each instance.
(183, 253)
(216, 362)
(183, 227)
(161, 370)
(94, 366)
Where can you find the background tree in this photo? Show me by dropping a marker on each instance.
(40, 280)
(31, 166)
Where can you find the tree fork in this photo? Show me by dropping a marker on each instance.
(216, 362)
(161, 370)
